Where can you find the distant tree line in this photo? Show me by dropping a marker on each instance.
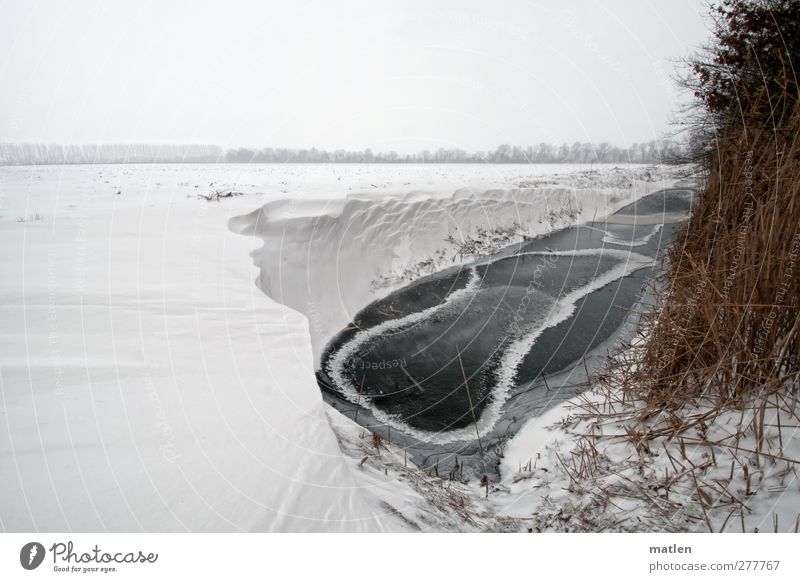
(33, 153)
(652, 152)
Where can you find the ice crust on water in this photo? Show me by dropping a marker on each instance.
(612, 239)
(561, 309)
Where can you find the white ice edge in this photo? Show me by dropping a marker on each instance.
(612, 239)
(337, 364)
(511, 359)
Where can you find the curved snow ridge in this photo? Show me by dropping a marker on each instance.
(612, 239)
(511, 359)
(338, 362)
(322, 258)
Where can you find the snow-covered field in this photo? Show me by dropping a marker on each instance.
(147, 383)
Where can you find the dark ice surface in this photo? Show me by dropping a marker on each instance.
(414, 372)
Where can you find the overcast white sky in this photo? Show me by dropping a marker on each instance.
(397, 75)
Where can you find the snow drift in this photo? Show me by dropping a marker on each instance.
(146, 384)
(322, 258)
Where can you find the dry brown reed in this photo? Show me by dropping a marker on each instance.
(727, 326)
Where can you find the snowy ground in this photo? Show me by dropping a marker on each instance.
(592, 464)
(147, 384)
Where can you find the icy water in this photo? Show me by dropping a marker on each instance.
(443, 355)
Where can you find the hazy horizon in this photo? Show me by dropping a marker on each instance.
(352, 76)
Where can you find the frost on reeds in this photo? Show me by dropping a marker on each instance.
(482, 241)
